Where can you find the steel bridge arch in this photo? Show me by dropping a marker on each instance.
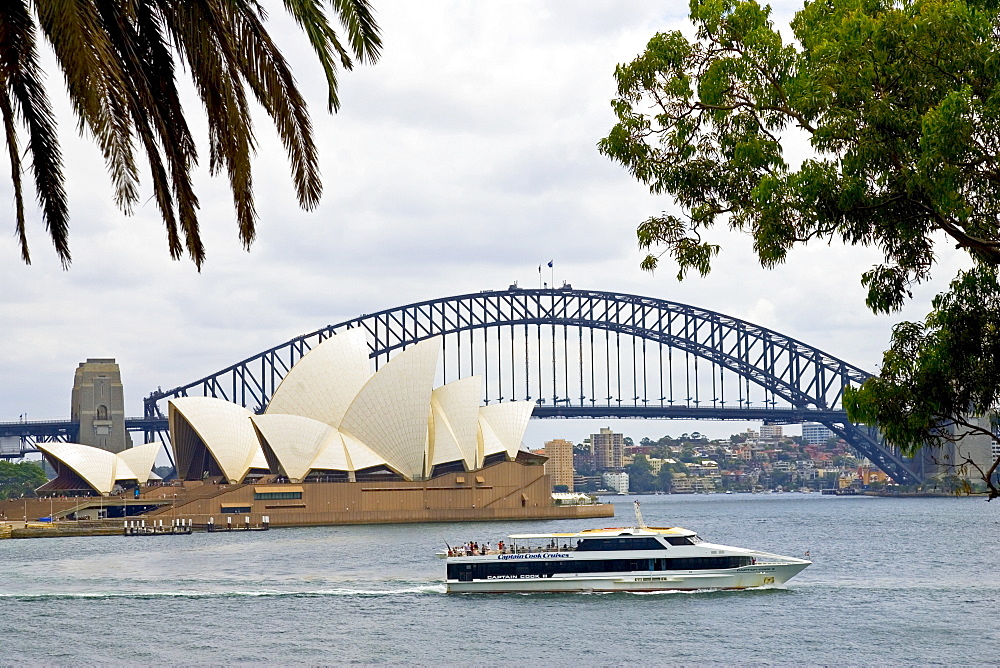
(809, 380)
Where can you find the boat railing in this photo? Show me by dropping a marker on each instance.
(769, 558)
(510, 549)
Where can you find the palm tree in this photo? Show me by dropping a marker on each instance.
(119, 60)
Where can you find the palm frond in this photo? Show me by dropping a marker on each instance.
(92, 74)
(258, 60)
(358, 19)
(10, 133)
(216, 80)
(362, 31)
(147, 66)
(25, 95)
(119, 61)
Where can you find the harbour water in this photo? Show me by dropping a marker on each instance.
(894, 582)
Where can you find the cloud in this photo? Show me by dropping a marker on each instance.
(459, 162)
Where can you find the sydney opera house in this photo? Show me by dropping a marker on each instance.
(336, 444)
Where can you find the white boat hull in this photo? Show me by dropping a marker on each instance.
(757, 575)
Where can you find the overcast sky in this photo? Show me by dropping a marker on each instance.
(460, 161)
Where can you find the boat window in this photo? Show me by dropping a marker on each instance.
(682, 540)
(611, 544)
(549, 567)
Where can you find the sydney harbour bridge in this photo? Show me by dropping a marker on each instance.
(576, 354)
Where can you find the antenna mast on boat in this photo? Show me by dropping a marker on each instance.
(639, 522)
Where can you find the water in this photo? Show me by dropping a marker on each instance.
(894, 582)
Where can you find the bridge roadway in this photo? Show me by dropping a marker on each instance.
(66, 430)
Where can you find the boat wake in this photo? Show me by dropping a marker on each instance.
(263, 593)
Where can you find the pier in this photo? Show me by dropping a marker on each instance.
(157, 528)
(264, 525)
(140, 527)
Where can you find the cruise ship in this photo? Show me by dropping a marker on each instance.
(634, 559)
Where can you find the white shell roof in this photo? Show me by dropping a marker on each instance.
(94, 465)
(303, 445)
(227, 432)
(490, 443)
(326, 380)
(391, 411)
(123, 471)
(332, 455)
(331, 413)
(360, 455)
(296, 441)
(140, 460)
(455, 415)
(508, 420)
(100, 468)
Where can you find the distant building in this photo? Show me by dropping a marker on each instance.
(816, 434)
(616, 480)
(949, 458)
(572, 499)
(560, 463)
(685, 484)
(770, 431)
(869, 475)
(592, 482)
(10, 446)
(656, 465)
(706, 467)
(608, 448)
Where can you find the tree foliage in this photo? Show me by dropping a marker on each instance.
(899, 101)
(20, 479)
(939, 372)
(119, 60)
(640, 475)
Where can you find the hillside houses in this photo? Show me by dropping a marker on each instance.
(753, 460)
